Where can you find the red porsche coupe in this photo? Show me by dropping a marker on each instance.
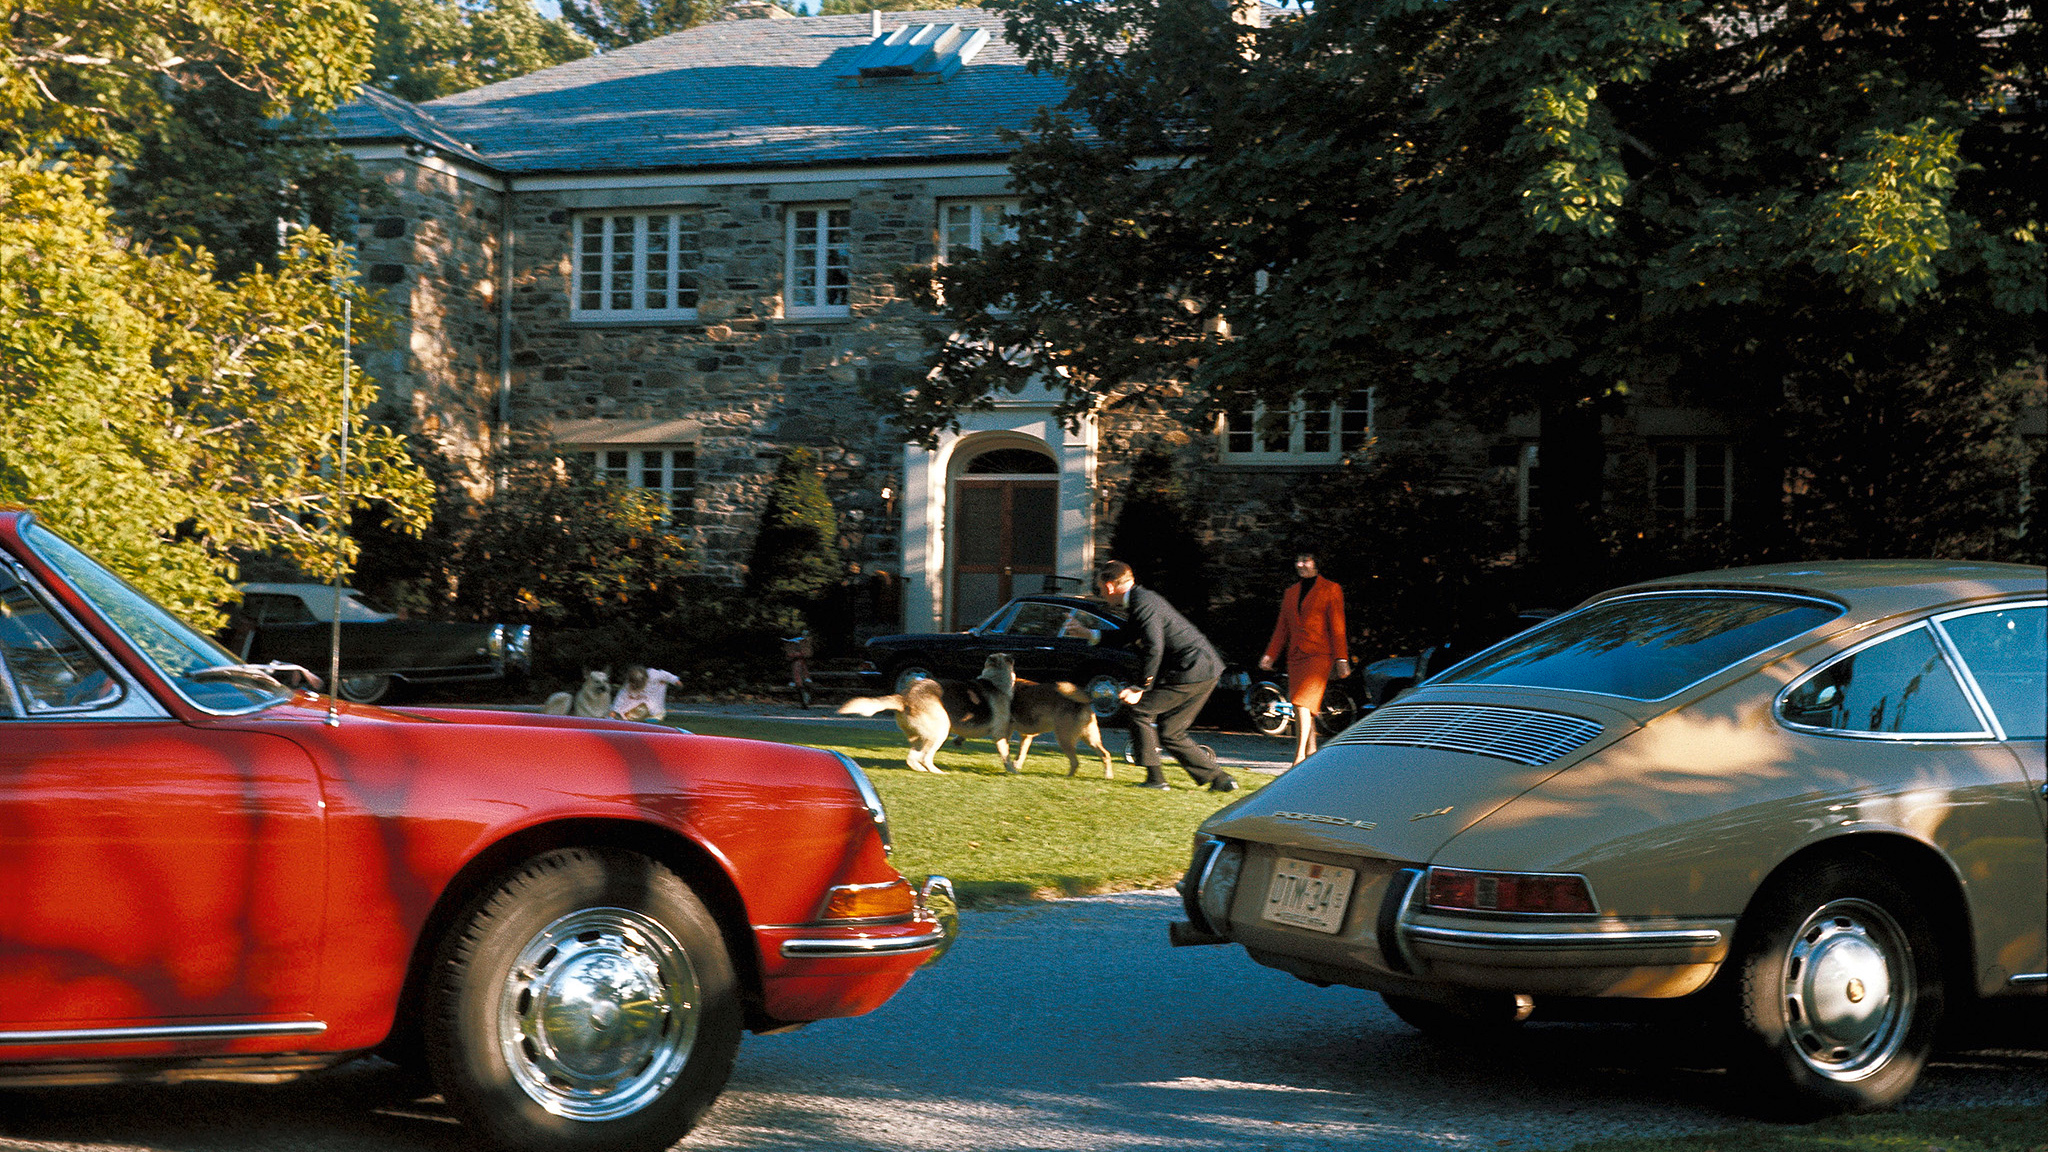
(568, 923)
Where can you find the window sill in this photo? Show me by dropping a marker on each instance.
(840, 318)
(676, 320)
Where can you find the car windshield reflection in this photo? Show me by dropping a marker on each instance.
(180, 653)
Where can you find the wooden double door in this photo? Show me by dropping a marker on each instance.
(1005, 542)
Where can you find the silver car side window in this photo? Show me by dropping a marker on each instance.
(1900, 686)
(2006, 653)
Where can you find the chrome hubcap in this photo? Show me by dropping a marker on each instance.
(598, 1014)
(1848, 989)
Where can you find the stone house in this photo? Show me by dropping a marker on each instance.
(679, 257)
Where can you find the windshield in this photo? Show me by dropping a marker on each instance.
(173, 646)
(1644, 647)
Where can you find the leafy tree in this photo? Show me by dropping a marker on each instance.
(85, 71)
(849, 7)
(168, 421)
(616, 23)
(796, 553)
(556, 546)
(1508, 204)
(430, 48)
(1156, 532)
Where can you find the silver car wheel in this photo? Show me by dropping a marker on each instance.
(908, 675)
(598, 1014)
(367, 689)
(1104, 688)
(1848, 989)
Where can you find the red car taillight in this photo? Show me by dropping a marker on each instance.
(1459, 890)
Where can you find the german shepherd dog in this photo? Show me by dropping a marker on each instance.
(593, 698)
(1062, 709)
(930, 710)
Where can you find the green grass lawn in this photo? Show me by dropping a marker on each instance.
(1008, 838)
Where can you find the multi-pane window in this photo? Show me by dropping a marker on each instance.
(968, 225)
(1315, 429)
(638, 266)
(819, 277)
(669, 473)
(1690, 481)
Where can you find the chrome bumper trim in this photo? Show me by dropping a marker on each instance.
(865, 946)
(164, 1032)
(1564, 941)
(2028, 979)
(934, 899)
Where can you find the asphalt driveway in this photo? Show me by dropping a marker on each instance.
(1066, 1025)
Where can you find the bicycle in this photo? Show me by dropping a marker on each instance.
(1272, 713)
(797, 649)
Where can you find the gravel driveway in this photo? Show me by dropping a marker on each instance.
(1068, 1025)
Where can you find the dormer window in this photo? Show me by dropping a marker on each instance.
(915, 53)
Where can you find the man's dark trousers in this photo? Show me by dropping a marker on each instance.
(1161, 719)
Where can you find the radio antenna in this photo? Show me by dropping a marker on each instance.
(337, 512)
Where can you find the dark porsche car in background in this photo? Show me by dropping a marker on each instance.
(1051, 638)
(293, 624)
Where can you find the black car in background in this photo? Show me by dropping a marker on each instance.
(1049, 637)
(294, 623)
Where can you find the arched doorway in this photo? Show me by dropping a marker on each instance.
(1005, 526)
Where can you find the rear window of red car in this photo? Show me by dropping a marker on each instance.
(1644, 647)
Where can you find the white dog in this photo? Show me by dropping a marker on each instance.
(593, 699)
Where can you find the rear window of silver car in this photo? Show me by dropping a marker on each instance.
(1644, 647)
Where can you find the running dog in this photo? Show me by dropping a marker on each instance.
(593, 699)
(930, 710)
(1062, 709)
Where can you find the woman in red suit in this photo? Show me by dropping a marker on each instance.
(1310, 633)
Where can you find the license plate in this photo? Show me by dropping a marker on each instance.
(1308, 895)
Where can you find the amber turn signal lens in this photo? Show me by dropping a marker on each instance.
(1458, 890)
(868, 901)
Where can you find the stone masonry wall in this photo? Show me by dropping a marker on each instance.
(432, 249)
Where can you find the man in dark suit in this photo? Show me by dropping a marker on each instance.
(1181, 669)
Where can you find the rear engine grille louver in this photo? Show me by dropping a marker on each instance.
(1522, 735)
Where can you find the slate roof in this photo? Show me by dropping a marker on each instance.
(739, 93)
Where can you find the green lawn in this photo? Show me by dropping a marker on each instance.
(1007, 838)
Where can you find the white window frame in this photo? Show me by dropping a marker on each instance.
(678, 501)
(1318, 436)
(1689, 512)
(622, 276)
(815, 261)
(969, 225)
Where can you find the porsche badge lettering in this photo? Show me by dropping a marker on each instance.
(1315, 818)
(1445, 811)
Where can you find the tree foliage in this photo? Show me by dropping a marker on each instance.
(164, 419)
(557, 546)
(1157, 531)
(431, 48)
(796, 553)
(1512, 204)
(616, 23)
(90, 70)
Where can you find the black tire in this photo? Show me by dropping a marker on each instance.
(1470, 1017)
(1337, 711)
(531, 1059)
(363, 689)
(1268, 708)
(1839, 992)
